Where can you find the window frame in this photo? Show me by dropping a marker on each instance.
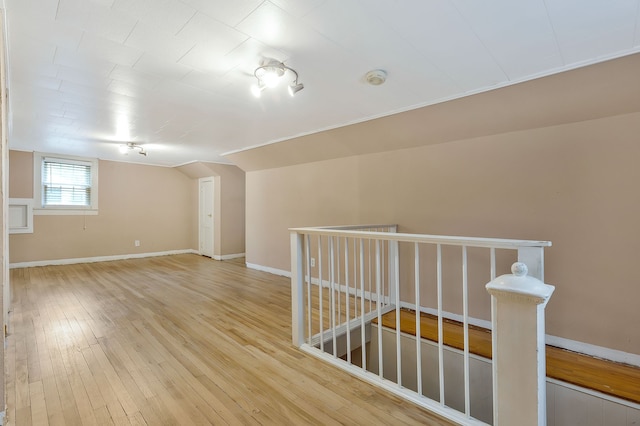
(40, 209)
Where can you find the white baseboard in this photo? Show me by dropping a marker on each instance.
(593, 350)
(268, 269)
(98, 258)
(228, 256)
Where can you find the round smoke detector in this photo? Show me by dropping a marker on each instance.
(376, 77)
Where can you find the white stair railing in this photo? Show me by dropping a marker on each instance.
(346, 279)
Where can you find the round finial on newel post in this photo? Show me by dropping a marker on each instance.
(519, 269)
(518, 282)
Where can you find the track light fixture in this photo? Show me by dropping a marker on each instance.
(130, 146)
(270, 73)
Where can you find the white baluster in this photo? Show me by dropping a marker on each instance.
(378, 301)
(339, 283)
(394, 289)
(465, 325)
(307, 249)
(440, 325)
(347, 297)
(332, 274)
(321, 294)
(363, 324)
(418, 322)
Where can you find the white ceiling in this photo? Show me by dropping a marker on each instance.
(175, 75)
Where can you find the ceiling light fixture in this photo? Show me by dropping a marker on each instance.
(270, 73)
(130, 146)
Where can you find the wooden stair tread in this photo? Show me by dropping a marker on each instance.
(611, 378)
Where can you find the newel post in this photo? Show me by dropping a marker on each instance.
(519, 366)
(297, 280)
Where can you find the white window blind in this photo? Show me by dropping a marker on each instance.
(66, 182)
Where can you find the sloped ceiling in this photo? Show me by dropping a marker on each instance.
(600, 90)
(174, 75)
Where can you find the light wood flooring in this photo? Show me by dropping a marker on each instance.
(173, 340)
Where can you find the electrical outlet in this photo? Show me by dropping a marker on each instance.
(136, 243)
(313, 262)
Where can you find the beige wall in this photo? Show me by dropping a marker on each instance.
(315, 194)
(136, 202)
(573, 184)
(21, 174)
(232, 202)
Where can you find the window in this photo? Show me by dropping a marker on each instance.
(65, 185)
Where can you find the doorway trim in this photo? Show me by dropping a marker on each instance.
(203, 230)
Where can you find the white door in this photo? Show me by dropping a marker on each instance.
(206, 216)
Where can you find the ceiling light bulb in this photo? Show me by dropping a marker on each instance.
(295, 88)
(271, 79)
(256, 90)
(271, 73)
(124, 149)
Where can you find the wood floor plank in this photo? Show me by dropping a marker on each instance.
(52, 400)
(102, 415)
(88, 382)
(38, 404)
(21, 376)
(115, 381)
(155, 413)
(33, 355)
(173, 340)
(44, 360)
(82, 400)
(23, 416)
(10, 376)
